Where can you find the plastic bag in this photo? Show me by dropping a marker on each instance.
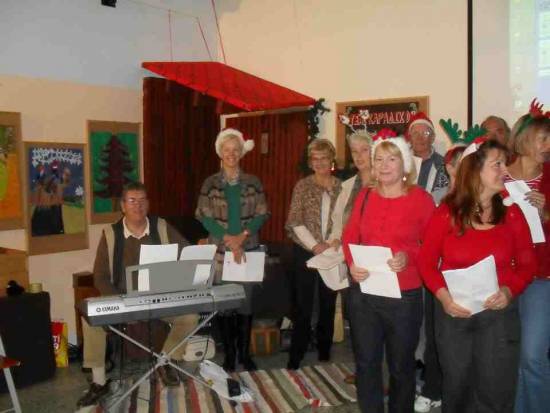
(60, 337)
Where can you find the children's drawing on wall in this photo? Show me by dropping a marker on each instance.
(11, 211)
(114, 161)
(56, 186)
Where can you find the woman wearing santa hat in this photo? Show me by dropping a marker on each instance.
(530, 142)
(394, 215)
(232, 207)
(478, 352)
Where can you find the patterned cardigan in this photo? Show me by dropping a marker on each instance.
(212, 203)
(305, 208)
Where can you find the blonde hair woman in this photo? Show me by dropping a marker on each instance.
(392, 214)
(530, 142)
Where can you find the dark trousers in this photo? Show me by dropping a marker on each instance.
(479, 357)
(390, 323)
(304, 283)
(432, 367)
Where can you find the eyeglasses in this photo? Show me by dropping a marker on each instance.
(425, 134)
(136, 201)
(315, 159)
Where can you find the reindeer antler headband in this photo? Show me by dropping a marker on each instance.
(535, 112)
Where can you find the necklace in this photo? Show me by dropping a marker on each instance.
(480, 211)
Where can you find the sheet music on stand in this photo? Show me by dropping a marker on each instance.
(200, 252)
(160, 271)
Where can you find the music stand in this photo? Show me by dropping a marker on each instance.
(163, 359)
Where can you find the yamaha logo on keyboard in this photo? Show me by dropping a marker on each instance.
(107, 309)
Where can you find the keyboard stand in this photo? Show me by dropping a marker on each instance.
(163, 359)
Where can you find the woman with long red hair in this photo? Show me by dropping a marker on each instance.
(478, 353)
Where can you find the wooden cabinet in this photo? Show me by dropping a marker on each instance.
(13, 266)
(83, 285)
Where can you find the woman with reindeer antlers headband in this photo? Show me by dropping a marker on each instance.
(392, 214)
(478, 352)
(530, 142)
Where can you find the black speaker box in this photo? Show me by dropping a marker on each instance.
(25, 326)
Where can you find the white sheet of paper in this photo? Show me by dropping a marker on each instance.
(331, 268)
(199, 252)
(217, 378)
(149, 254)
(381, 280)
(335, 278)
(250, 271)
(328, 259)
(517, 191)
(202, 274)
(471, 286)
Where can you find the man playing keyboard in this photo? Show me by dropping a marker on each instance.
(118, 248)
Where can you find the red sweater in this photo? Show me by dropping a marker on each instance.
(543, 250)
(509, 242)
(396, 223)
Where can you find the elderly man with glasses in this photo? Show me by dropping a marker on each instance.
(433, 178)
(430, 165)
(119, 247)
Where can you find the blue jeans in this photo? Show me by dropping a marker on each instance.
(533, 393)
(393, 324)
(479, 357)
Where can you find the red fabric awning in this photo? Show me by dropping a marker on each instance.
(230, 85)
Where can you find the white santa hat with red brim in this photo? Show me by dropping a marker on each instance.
(389, 135)
(229, 133)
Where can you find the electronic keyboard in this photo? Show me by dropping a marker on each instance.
(117, 309)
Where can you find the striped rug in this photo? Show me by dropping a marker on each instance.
(275, 391)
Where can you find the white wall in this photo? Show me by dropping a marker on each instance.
(355, 49)
(491, 61)
(63, 62)
(83, 41)
(56, 111)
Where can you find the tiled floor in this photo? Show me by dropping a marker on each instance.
(61, 393)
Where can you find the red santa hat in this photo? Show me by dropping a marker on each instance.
(419, 118)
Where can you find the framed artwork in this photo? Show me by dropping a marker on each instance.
(11, 195)
(114, 162)
(56, 212)
(382, 113)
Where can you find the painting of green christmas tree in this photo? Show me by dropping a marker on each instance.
(114, 163)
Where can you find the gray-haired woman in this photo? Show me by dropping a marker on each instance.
(360, 144)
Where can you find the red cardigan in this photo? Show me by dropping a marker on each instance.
(396, 223)
(543, 250)
(509, 242)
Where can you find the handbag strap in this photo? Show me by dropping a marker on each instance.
(363, 205)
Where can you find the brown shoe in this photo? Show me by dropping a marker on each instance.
(94, 394)
(169, 376)
(350, 379)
